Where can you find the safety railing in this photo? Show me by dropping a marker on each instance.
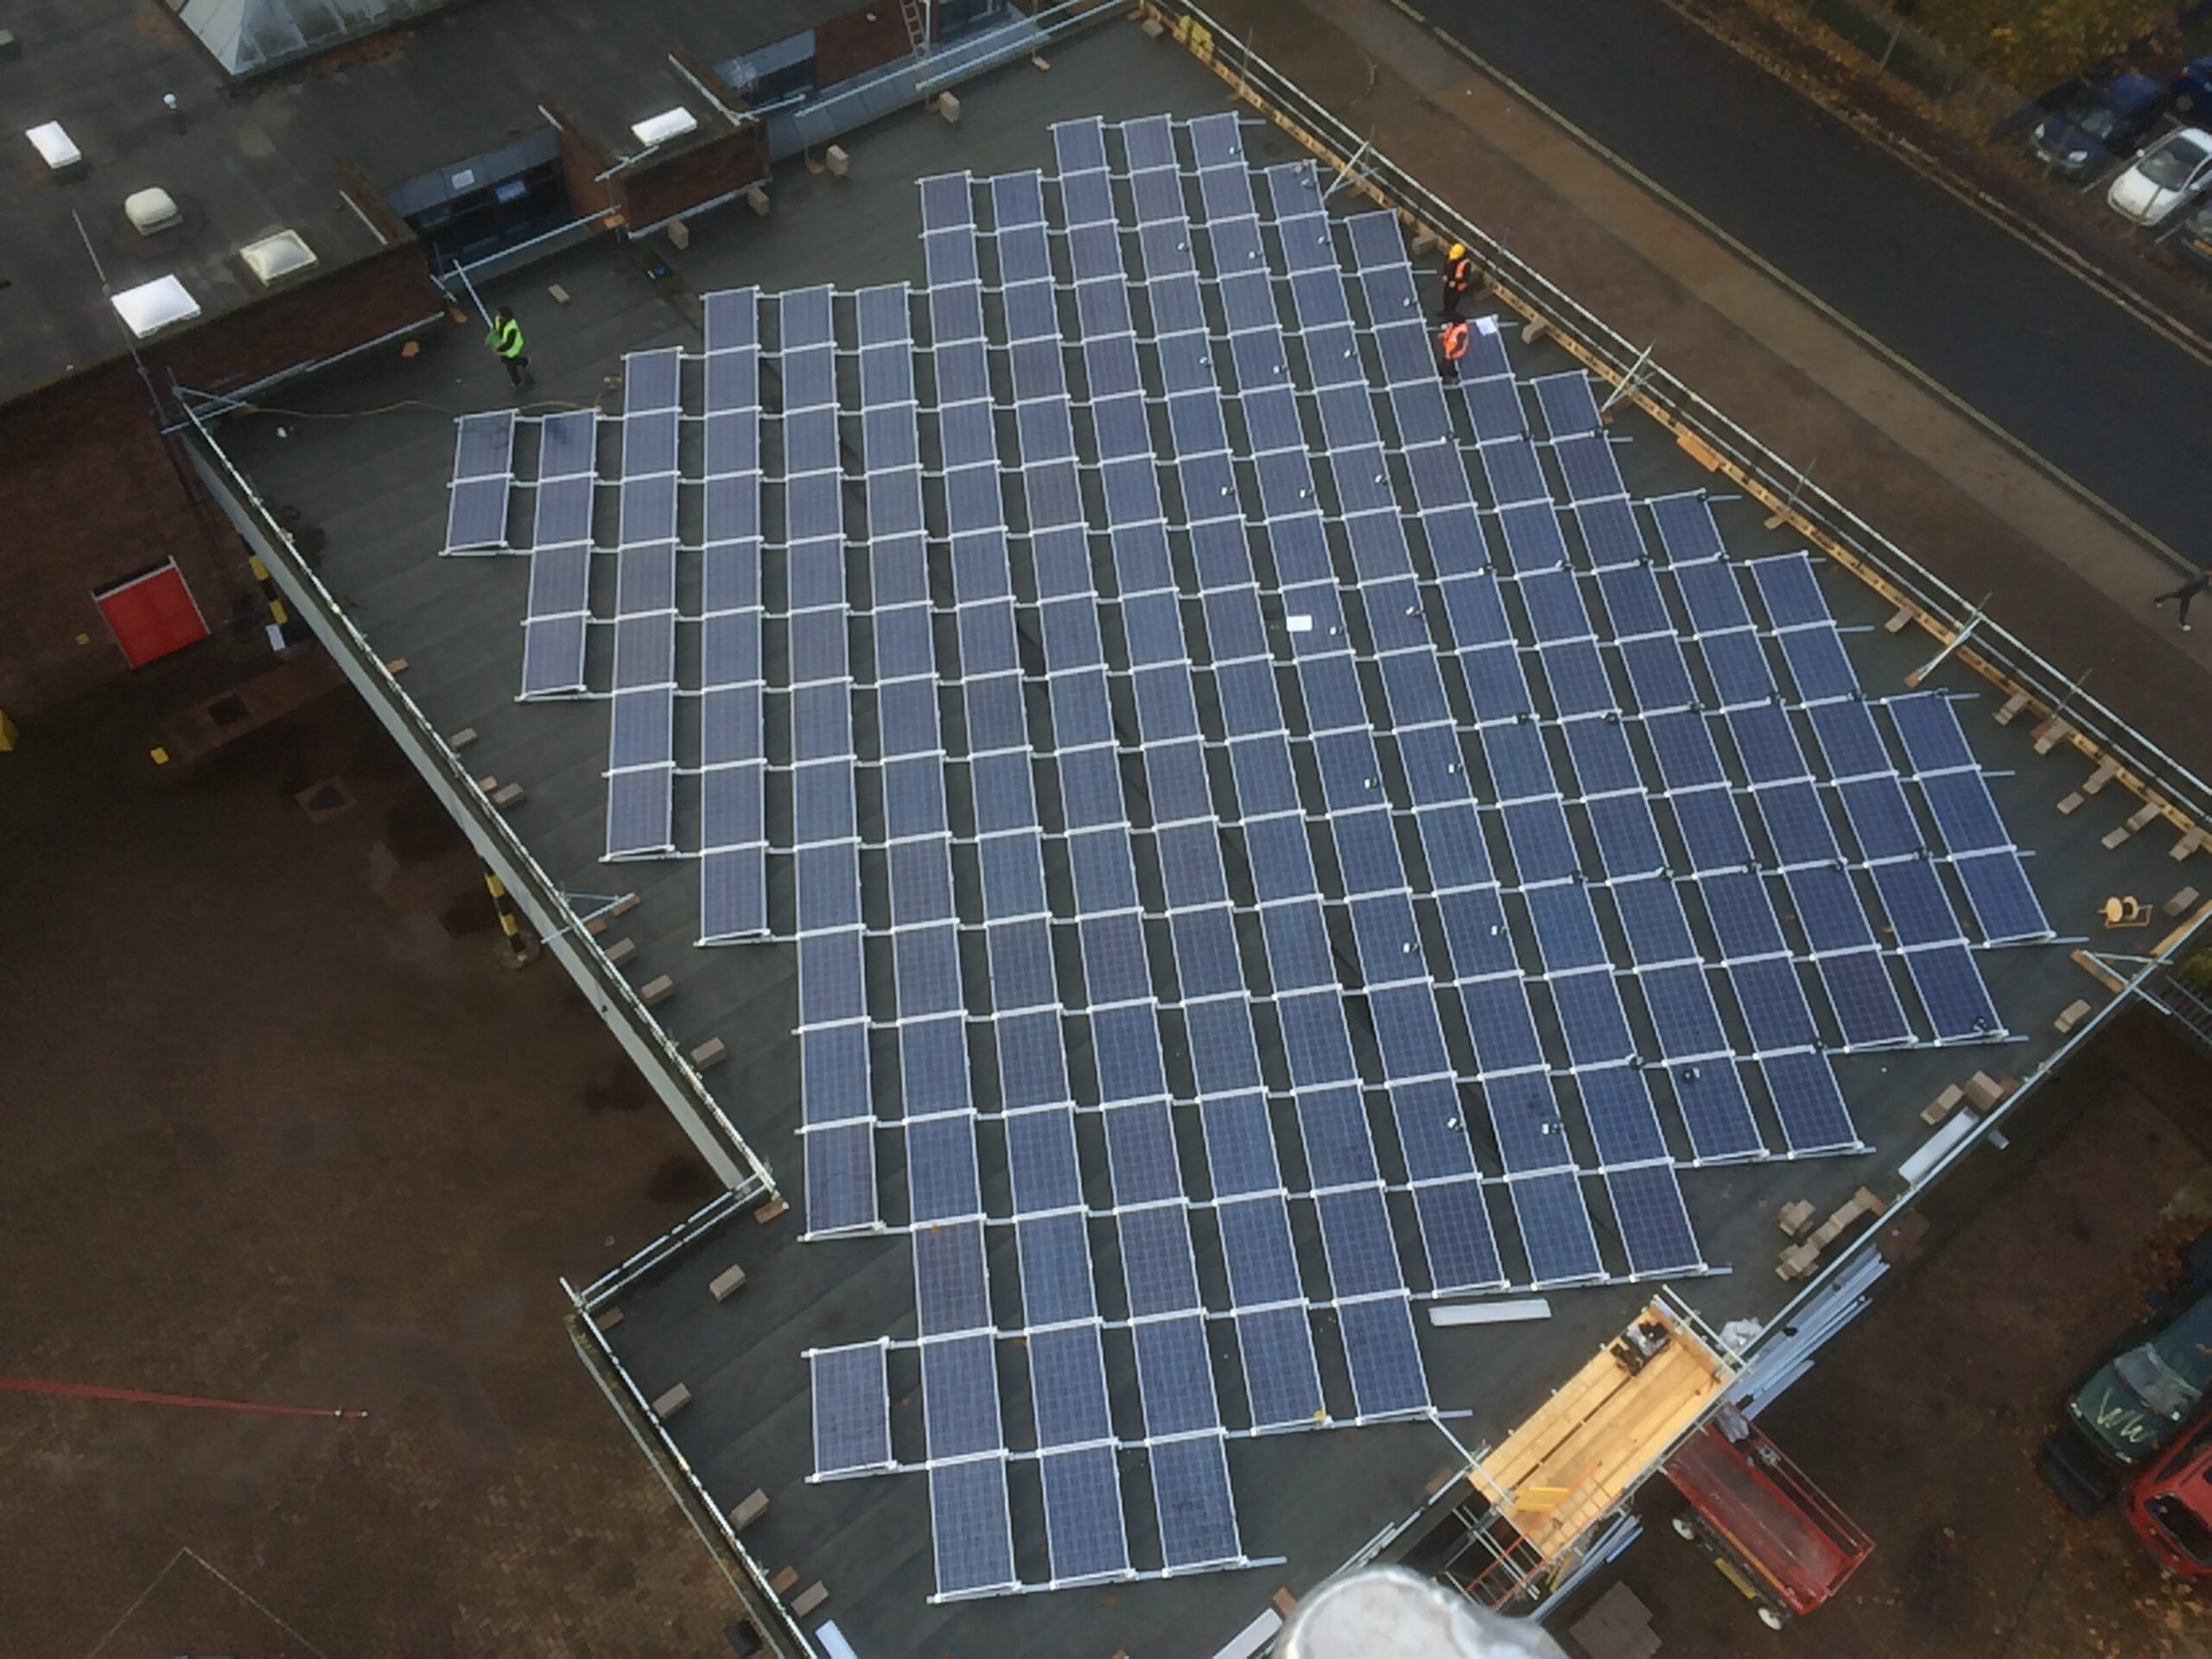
(542, 900)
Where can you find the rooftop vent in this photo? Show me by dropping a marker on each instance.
(275, 258)
(54, 146)
(668, 123)
(151, 306)
(151, 210)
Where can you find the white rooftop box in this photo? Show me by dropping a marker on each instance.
(151, 210)
(668, 123)
(275, 258)
(151, 306)
(54, 145)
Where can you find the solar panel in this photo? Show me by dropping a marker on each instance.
(852, 1410)
(970, 1531)
(483, 464)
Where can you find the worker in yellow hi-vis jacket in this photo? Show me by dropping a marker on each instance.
(505, 339)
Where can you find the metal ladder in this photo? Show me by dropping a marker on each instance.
(916, 14)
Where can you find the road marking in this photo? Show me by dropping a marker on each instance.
(1805, 296)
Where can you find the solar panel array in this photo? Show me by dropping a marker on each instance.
(1181, 844)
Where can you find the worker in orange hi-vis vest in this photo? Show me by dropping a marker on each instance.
(1458, 277)
(1451, 346)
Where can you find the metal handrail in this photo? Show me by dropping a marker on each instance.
(539, 895)
(1675, 402)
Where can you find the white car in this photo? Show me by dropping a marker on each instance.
(2157, 181)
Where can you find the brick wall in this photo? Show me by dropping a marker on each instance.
(91, 493)
(865, 38)
(675, 183)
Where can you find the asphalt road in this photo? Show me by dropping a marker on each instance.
(2064, 372)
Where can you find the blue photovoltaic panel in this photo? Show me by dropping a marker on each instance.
(1084, 1528)
(969, 1529)
(852, 1409)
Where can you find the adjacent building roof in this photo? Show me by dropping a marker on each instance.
(247, 36)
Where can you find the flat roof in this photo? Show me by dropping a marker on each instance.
(376, 485)
(242, 159)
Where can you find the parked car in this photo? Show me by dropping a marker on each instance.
(2195, 237)
(2164, 177)
(2169, 1506)
(2099, 124)
(2137, 1402)
(2192, 88)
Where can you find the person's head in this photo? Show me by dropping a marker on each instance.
(506, 316)
(1459, 249)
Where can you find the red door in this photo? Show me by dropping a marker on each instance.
(151, 613)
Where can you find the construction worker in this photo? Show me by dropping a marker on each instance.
(505, 339)
(1458, 277)
(1451, 346)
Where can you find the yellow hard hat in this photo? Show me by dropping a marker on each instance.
(1459, 249)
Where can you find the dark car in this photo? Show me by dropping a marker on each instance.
(2099, 124)
(2194, 238)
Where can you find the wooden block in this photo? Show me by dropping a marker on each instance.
(596, 926)
(2188, 844)
(782, 1583)
(710, 1052)
(671, 1402)
(2106, 772)
(2074, 1014)
(1984, 1091)
(1794, 1216)
(810, 1598)
(2183, 902)
(2071, 804)
(2052, 733)
(2096, 970)
(1870, 1203)
(1285, 1603)
(397, 665)
(948, 105)
(1533, 330)
(1900, 620)
(2142, 815)
(508, 796)
(487, 783)
(2117, 837)
(770, 1210)
(750, 1509)
(1943, 1105)
(461, 739)
(623, 906)
(2011, 708)
(656, 990)
(607, 1318)
(620, 952)
(757, 200)
(1796, 1261)
(679, 234)
(1041, 63)
(727, 1284)
(838, 163)
(560, 293)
